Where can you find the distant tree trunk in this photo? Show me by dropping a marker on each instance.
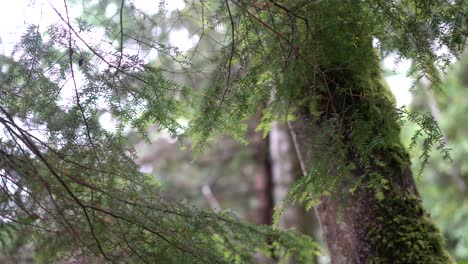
(263, 214)
(263, 180)
(286, 170)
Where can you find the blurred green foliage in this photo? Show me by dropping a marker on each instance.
(443, 185)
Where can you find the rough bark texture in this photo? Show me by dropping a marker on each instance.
(395, 229)
(349, 239)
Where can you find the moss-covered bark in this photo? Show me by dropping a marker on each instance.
(402, 232)
(393, 227)
(345, 98)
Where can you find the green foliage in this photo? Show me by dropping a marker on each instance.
(81, 182)
(274, 41)
(430, 131)
(421, 30)
(78, 185)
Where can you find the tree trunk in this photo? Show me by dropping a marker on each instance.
(286, 170)
(364, 228)
(263, 180)
(347, 136)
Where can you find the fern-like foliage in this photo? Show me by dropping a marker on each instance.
(429, 130)
(76, 182)
(318, 55)
(72, 191)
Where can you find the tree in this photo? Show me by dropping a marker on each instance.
(319, 58)
(314, 58)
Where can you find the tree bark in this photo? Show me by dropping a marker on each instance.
(363, 228)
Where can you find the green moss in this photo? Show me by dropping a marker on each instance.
(404, 233)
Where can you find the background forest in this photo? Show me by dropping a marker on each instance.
(126, 170)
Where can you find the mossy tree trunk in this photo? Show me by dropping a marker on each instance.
(347, 135)
(368, 230)
(363, 227)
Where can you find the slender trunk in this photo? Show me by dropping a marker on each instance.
(263, 180)
(263, 176)
(286, 170)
